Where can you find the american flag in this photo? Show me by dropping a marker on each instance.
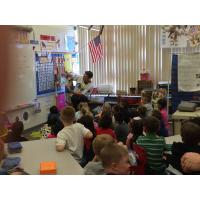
(96, 50)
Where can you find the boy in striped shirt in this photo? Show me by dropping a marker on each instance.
(154, 146)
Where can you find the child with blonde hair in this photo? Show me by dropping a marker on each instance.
(115, 160)
(83, 110)
(95, 166)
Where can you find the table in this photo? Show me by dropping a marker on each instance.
(36, 151)
(178, 117)
(171, 140)
(174, 138)
(114, 99)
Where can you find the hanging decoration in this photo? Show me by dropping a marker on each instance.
(180, 36)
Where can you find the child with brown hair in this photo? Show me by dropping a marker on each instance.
(53, 120)
(163, 130)
(95, 166)
(136, 128)
(71, 136)
(162, 106)
(146, 102)
(17, 131)
(115, 160)
(154, 146)
(142, 111)
(88, 153)
(105, 125)
(121, 127)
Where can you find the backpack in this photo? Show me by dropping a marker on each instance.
(14, 147)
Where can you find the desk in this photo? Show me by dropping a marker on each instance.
(178, 117)
(36, 151)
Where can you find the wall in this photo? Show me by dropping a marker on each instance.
(47, 101)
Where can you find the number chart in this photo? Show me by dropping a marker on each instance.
(44, 73)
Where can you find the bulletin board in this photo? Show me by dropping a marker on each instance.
(50, 67)
(58, 60)
(189, 73)
(177, 95)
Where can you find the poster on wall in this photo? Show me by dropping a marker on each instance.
(70, 43)
(68, 62)
(178, 36)
(189, 73)
(47, 42)
(60, 43)
(173, 37)
(22, 37)
(194, 36)
(44, 73)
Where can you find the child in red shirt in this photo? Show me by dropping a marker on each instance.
(105, 124)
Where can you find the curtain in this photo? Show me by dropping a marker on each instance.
(128, 49)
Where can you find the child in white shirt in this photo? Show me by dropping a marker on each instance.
(71, 136)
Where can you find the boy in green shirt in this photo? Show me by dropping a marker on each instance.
(154, 146)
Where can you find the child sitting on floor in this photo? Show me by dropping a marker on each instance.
(54, 120)
(163, 131)
(142, 111)
(95, 166)
(154, 146)
(17, 130)
(136, 128)
(71, 136)
(190, 133)
(115, 160)
(106, 108)
(121, 127)
(88, 153)
(146, 102)
(83, 110)
(162, 106)
(125, 110)
(105, 125)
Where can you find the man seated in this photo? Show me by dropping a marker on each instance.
(83, 86)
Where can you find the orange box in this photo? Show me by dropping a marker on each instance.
(48, 167)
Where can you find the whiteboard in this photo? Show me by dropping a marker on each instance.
(22, 82)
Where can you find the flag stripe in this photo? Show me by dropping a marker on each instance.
(93, 51)
(95, 48)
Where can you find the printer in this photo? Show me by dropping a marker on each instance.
(186, 106)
